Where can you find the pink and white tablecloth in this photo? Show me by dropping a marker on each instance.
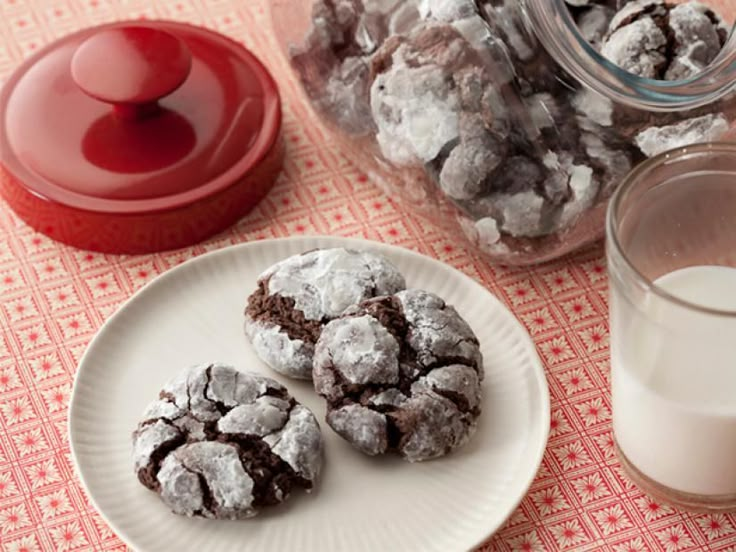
(53, 298)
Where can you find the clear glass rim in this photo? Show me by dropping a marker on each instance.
(560, 36)
(613, 219)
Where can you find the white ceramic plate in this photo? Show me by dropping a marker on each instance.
(193, 314)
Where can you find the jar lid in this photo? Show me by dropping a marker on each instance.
(114, 125)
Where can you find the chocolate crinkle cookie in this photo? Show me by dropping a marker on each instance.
(662, 40)
(594, 16)
(220, 443)
(403, 374)
(298, 296)
(334, 60)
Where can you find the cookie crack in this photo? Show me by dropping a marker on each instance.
(389, 312)
(151, 421)
(276, 478)
(277, 393)
(358, 393)
(189, 396)
(171, 422)
(292, 405)
(208, 499)
(670, 48)
(455, 397)
(191, 415)
(442, 362)
(221, 407)
(372, 276)
(147, 475)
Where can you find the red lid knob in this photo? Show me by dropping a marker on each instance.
(131, 67)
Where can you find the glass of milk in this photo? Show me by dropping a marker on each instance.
(672, 261)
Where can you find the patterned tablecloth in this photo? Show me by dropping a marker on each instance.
(53, 298)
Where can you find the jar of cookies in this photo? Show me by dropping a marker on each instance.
(513, 120)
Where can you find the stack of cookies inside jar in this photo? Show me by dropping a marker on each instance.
(463, 106)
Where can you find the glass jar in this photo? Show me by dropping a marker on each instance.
(672, 264)
(497, 117)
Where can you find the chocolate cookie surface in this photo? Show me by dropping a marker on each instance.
(298, 296)
(401, 373)
(220, 443)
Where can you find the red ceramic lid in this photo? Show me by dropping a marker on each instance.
(113, 126)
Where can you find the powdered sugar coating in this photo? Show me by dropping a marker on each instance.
(366, 351)
(298, 444)
(487, 232)
(438, 427)
(364, 428)
(193, 427)
(636, 48)
(261, 417)
(291, 357)
(391, 397)
(584, 189)
(149, 438)
(416, 111)
(219, 465)
(437, 330)
(656, 140)
(457, 378)
(696, 37)
(594, 106)
(593, 24)
(326, 282)
(181, 489)
(466, 169)
(429, 403)
(317, 287)
(163, 409)
(222, 443)
(631, 10)
(447, 10)
(521, 213)
(222, 383)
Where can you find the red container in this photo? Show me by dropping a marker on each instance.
(138, 137)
